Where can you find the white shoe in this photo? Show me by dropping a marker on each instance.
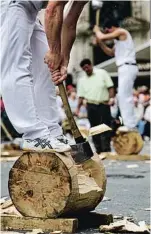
(65, 140)
(60, 144)
(126, 129)
(45, 144)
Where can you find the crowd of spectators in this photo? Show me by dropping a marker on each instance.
(142, 107)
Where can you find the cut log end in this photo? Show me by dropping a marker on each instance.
(49, 185)
(127, 143)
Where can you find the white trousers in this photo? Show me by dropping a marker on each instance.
(126, 77)
(27, 90)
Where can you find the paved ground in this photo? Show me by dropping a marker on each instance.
(128, 189)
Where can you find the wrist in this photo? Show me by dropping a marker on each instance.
(65, 61)
(55, 49)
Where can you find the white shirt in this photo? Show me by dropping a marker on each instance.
(147, 115)
(125, 51)
(139, 112)
(73, 104)
(61, 112)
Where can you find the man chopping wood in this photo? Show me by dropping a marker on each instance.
(125, 57)
(28, 90)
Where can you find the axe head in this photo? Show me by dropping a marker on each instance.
(97, 4)
(81, 152)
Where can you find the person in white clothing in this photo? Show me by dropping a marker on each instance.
(27, 88)
(124, 53)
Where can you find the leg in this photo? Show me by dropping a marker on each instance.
(44, 89)
(127, 75)
(17, 81)
(141, 126)
(106, 119)
(94, 118)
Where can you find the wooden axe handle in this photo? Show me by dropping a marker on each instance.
(97, 20)
(74, 128)
(6, 131)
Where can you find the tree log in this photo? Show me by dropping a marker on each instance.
(127, 143)
(50, 185)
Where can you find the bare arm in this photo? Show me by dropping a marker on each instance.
(69, 30)
(108, 36)
(106, 49)
(118, 33)
(80, 102)
(53, 27)
(111, 92)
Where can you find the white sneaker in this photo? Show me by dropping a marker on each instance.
(65, 140)
(126, 129)
(60, 144)
(45, 144)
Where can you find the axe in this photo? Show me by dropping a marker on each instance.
(97, 5)
(81, 151)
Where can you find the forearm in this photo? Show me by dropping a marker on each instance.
(111, 92)
(69, 29)
(80, 102)
(53, 25)
(106, 49)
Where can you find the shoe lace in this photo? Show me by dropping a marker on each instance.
(42, 142)
(62, 139)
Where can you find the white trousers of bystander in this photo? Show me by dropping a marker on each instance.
(27, 90)
(126, 77)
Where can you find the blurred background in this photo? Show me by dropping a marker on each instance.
(133, 16)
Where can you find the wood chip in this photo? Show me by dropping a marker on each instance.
(2, 200)
(132, 166)
(106, 199)
(99, 129)
(125, 226)
(35, 231)
(56, 232)
(148, 209)
(6, 204)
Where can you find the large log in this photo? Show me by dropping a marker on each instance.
(50, 185)
(127, 143)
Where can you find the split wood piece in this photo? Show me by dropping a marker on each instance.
(11, 153)
(85, 220)
(10, 211)
(84, 131)
(8, 159)
(6, 204)
(127, 143)
(133, 157)
(11, 146)
(99, 129)
(124, 226)
(9, 222)
(49, 185)
(94, 130)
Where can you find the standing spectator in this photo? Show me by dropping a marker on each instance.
(148, 120)
(144, 96)
(61, 115)
(125, 57)
(82, 119)
(73, 100)
(139, 112)
(69, 82)
(97, 88)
